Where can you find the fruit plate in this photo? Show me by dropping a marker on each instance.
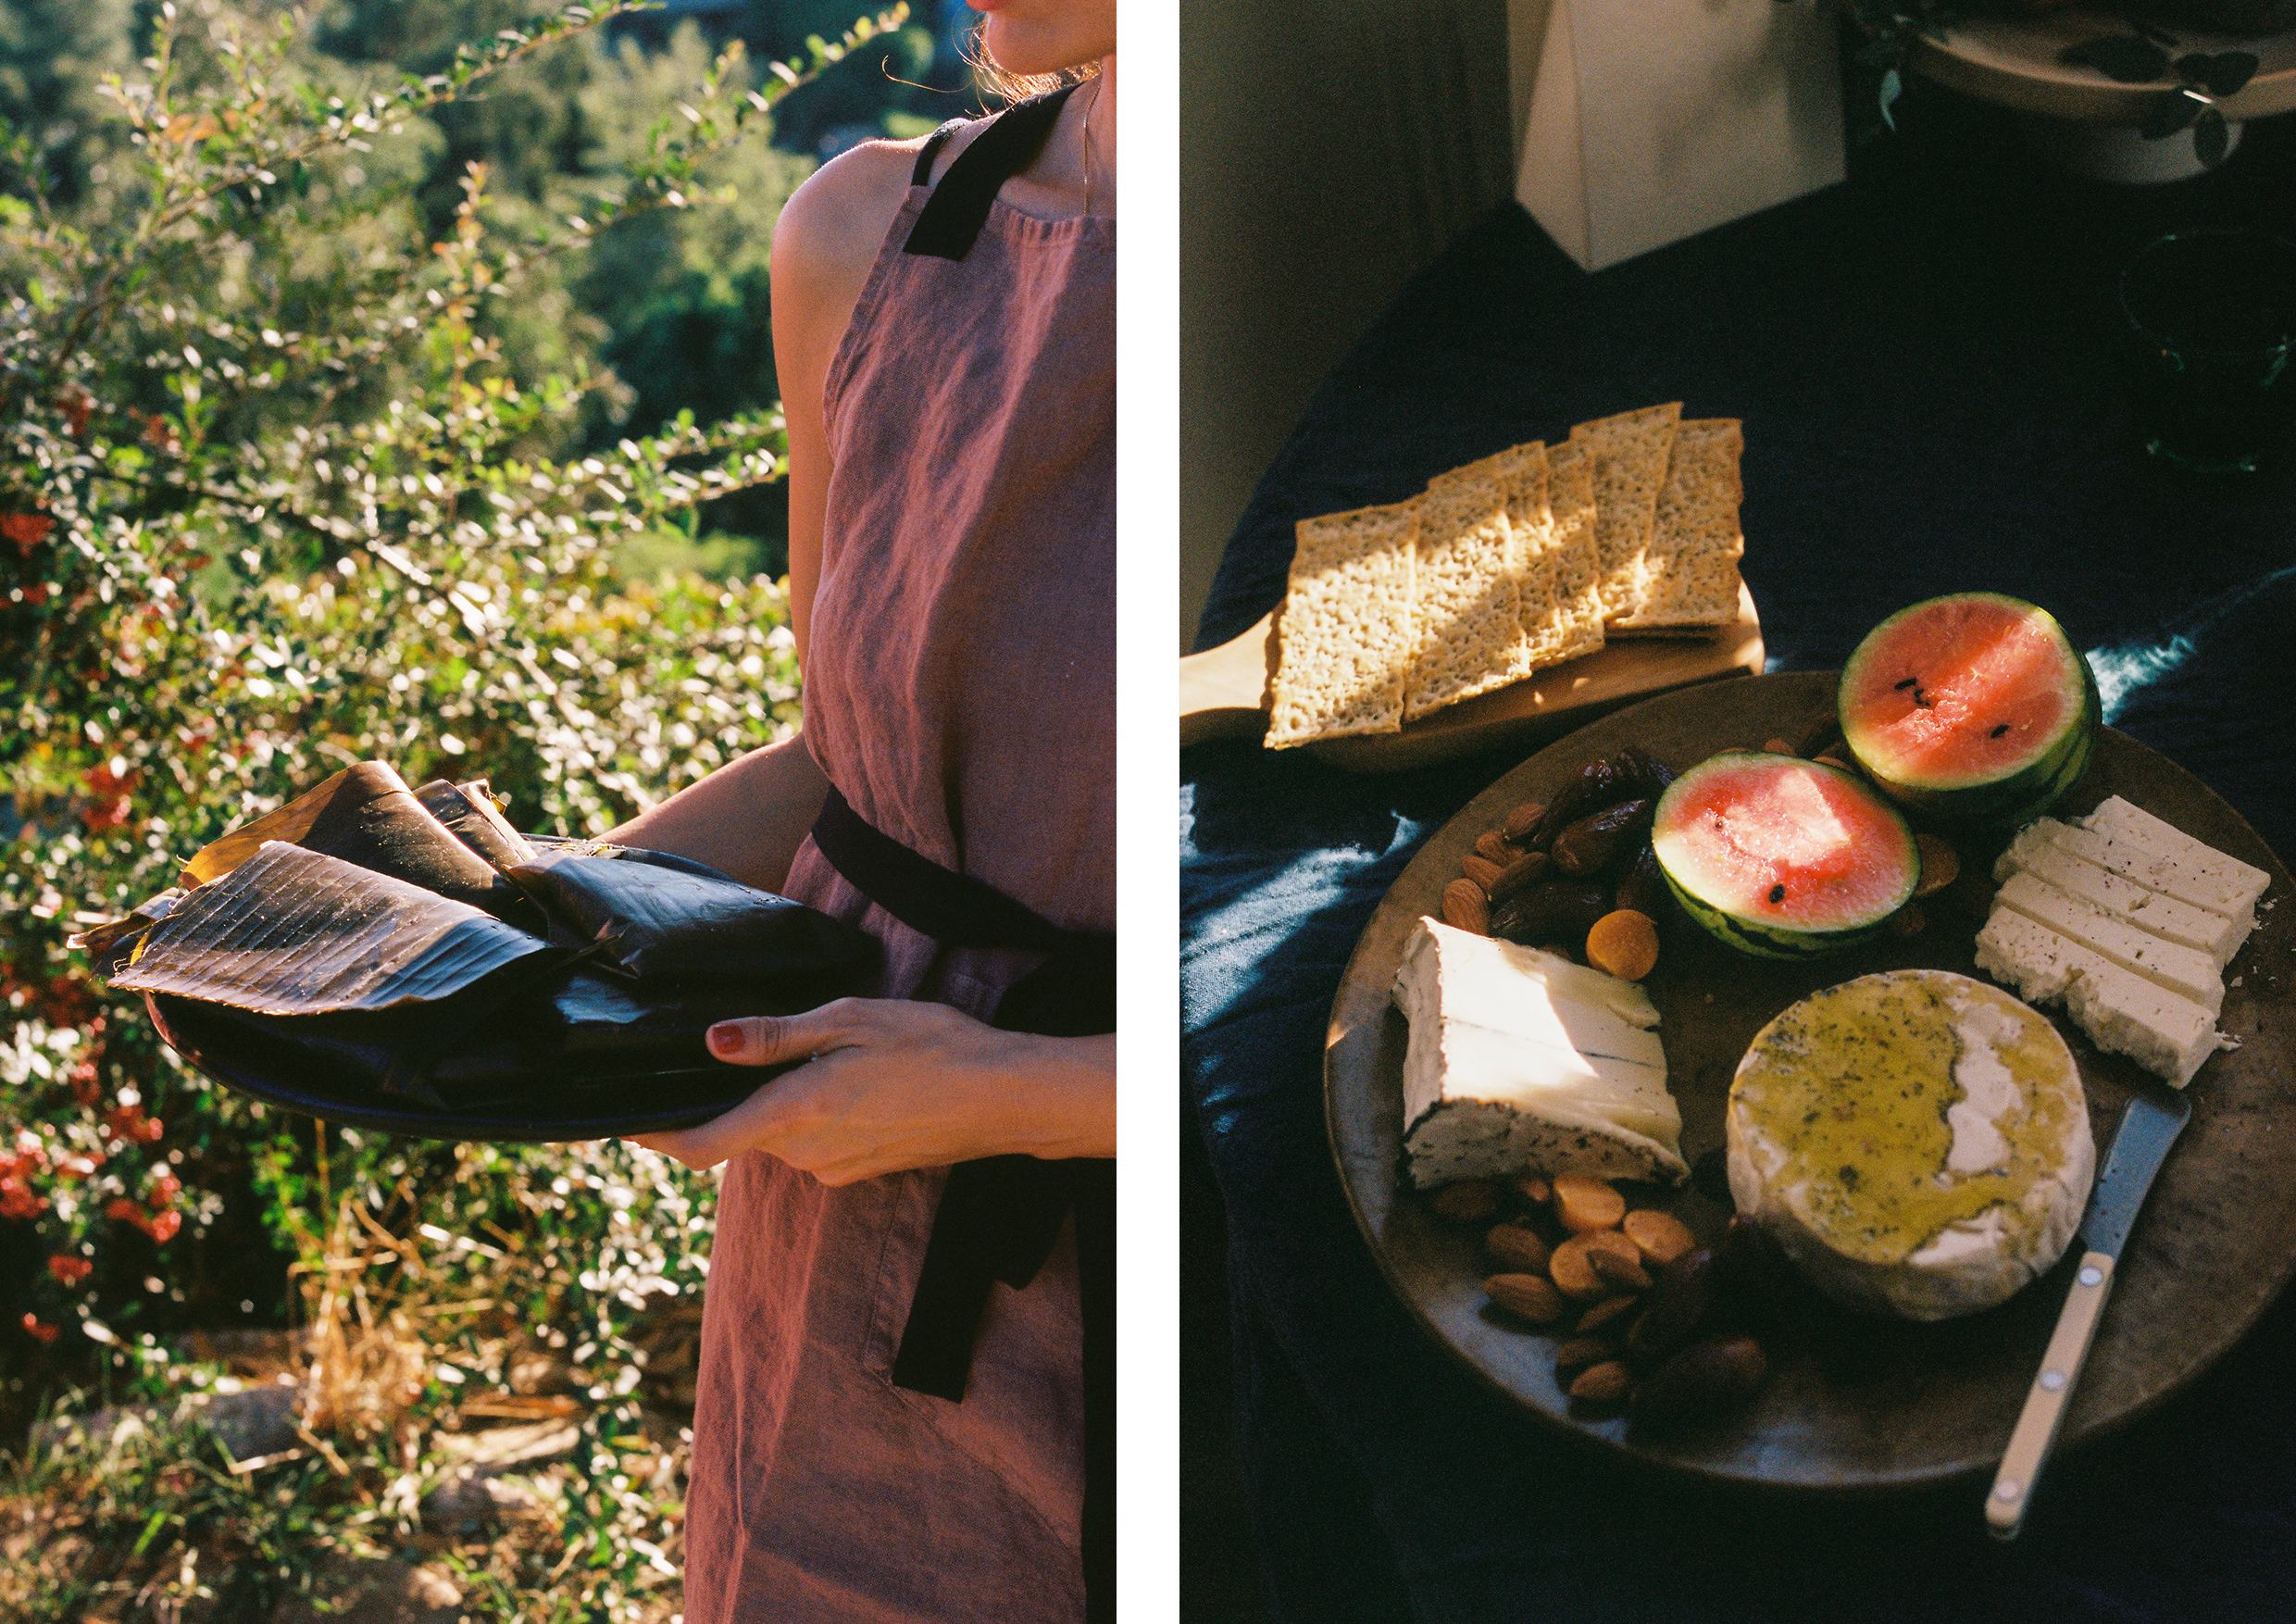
(1853, 1402)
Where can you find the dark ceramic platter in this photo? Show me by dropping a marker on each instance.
(283, 1076)
(1854, 1402)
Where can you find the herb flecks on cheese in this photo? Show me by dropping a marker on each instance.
(1902, 1111)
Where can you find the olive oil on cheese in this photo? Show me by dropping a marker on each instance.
(1866, 1087)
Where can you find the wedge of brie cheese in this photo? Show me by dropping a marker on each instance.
(1521, 1060)
(1918, 1142)
(2129, 922)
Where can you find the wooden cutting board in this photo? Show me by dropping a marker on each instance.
(1854, 1401)
(1224, 693)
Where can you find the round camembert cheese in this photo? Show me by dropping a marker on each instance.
(1918, 1142)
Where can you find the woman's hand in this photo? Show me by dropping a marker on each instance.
(893, 1084)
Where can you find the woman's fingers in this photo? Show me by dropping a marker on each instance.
(770, 1039)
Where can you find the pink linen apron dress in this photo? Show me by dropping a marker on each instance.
(960, 695)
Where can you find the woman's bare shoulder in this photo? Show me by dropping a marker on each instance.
(832, 226)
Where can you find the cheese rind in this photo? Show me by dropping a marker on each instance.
(1916, 1142)
(1521, 1060)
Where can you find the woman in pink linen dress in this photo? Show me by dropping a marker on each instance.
(943, 324)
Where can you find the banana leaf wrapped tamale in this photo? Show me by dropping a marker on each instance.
(340, 957)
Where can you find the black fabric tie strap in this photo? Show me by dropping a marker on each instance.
(999, 1215)
(953, 216)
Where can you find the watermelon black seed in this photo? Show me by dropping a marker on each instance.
(2000, 730)
(1778, 893)
(1908, 682)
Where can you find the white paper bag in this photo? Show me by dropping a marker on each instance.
(1651, 119)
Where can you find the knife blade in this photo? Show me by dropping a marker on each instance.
(2149, 1127)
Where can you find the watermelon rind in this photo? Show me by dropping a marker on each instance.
(1732, 922)
(2008, 800)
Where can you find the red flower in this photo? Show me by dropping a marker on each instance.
(108, 786)
(72, 1270)
(164, 1190)
(76, 405)
(16, 1201)
(130, 1122)
(26, 529)
(163, 1225)
(33, 1327)
(123, 1210)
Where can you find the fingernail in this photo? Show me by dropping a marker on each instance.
(725, 1038)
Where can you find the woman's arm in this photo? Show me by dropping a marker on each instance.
(886, 1084)
(748, 818)
(891, 1084)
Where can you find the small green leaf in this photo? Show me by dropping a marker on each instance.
(39, 292)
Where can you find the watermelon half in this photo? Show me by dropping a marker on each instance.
(1974, 709)
(1782, 857)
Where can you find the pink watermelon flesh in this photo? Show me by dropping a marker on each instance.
(1783, 840)
(1965, 691)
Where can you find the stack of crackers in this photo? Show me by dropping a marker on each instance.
(1525, 560)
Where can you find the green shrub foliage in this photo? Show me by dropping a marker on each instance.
(299, 467)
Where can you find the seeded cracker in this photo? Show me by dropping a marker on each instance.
(1629, 456)
(1466, 610)
(1690, 575)
(1344, 633)
(1562, 606)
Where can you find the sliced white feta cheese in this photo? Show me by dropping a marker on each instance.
(2121, 1011)
(2182, 969)
(1520, 1060)
(2134, 854)
(2035, 852)
(2203, 867)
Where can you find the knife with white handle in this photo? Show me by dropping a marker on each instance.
(2148, 1128)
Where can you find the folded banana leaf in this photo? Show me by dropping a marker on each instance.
(485, 1048)
(367, 815)
(471, 815)
(283, 1065)
(290, 932)
(658, 917)
(567, 998)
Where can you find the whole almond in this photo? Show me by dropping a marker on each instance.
(1517, 1249)
(1522, 820)
(1526, 869)
(1527, 1296)
(1609, 1382)
(1491, 846)
(1465, 907)
(1579, 1352)
(1619, 1266)
(1606, 1313)
(1481, 871)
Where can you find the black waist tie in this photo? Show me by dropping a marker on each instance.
(999, 1215)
